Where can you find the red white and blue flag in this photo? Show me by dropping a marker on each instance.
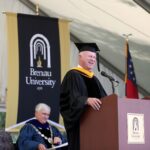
(131, 90)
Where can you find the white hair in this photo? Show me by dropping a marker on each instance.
(42, 106)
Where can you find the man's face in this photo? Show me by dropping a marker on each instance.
(42, 116)
(87, 60)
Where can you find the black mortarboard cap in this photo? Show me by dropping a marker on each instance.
(92, 47)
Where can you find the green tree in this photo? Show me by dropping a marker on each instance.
(2, 119)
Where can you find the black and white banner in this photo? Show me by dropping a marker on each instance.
(39, 65)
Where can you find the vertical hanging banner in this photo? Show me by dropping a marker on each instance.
(34, 71)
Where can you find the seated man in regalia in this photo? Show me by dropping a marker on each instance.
(38, 134)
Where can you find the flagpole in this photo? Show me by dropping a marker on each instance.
(126, 53)
(37, 9)
(127, 36)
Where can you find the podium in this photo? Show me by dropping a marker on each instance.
(112, 127)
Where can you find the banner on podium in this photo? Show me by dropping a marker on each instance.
(135, 124)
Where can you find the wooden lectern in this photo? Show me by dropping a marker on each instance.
(107, 129)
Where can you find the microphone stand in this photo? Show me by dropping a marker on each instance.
(111, 79)
(112, 85)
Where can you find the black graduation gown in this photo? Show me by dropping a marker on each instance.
(75, 89)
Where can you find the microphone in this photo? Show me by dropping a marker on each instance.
(108, 76)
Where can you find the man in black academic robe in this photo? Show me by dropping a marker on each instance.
(80, 88)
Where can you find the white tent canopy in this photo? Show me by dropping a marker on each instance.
(105, 22)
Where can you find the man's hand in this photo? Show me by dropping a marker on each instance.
(41, 147)
(94, 103)
(57, 140)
